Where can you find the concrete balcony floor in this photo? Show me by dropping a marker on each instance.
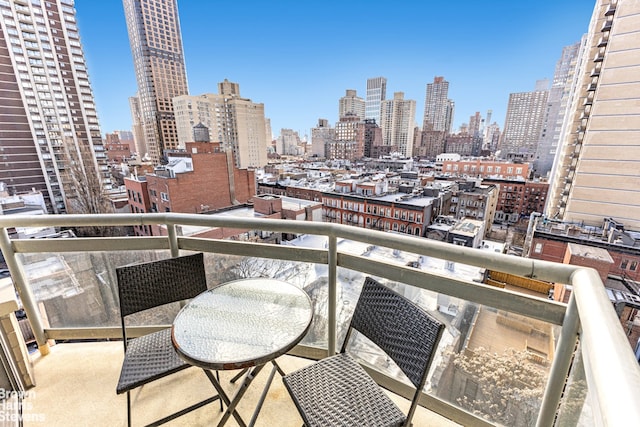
(76, 383)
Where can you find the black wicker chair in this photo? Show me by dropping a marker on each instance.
(152, 356)
(338, 391)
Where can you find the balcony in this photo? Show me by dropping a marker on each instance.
(590, 375)
(60, 374)
(611, 9)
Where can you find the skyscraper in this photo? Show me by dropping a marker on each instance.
(351, 103)
(236, 122)
(556, 109)
(398, 116)
(376, 93)
(48, 118)
(438, 109)
(158, 60)
(523, 126)
(136, 126)
(596, 173)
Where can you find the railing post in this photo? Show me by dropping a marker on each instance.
(24, 291)
(560, 366)
(332, 295)
(173, 239)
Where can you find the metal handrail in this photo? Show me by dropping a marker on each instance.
(613, 372)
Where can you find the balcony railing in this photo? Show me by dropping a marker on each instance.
(590, 345)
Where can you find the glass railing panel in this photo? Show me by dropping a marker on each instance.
(489, 362)
(498, 366)
(575, 407)
(79, 289)
(368, 353)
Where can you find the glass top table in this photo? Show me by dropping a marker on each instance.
(242, 323)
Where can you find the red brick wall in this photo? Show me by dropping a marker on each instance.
(267, 206)
(207, 188)
(601, 266)
(551, 250)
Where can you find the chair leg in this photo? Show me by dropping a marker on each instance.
(129, 409)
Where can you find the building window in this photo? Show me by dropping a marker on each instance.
(164, 196)
(538, 248)
(470, 389)
(634, 266)
(624, 264)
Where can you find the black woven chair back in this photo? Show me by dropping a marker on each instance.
(152, 284)
(407, 333)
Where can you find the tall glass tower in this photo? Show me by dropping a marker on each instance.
(48, 115)
(376, 93)
(158, 60)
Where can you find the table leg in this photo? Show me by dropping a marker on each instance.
(264, 394)
(236, 399)
(225, 399)
(240, 374)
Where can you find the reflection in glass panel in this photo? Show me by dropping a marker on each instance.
(575, 406)
(79, 289)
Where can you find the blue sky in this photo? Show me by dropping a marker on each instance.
(299, 57)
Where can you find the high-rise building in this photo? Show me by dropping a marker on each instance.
(556, 109)
(596, 173)
(376, 93)
(48, 116)
(236, 122)
(158, 60)
(372, 138)
(397, 123)
(352, 104)
(523, 125)
(476, 124)
(349, 139)
(438, 108)
(321, 136)
(136, 127)
(288, 143)
(269, 133)
(491, 138)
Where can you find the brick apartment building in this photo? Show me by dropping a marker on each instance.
(362, 204)
(203, 178)
(613, 252)
(263, 206)
(397, 212)
(518, 199)
(482, 168)
(550, 240)
(118, 151)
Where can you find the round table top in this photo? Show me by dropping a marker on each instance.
(242, 323)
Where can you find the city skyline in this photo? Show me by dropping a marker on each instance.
(300, 65)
